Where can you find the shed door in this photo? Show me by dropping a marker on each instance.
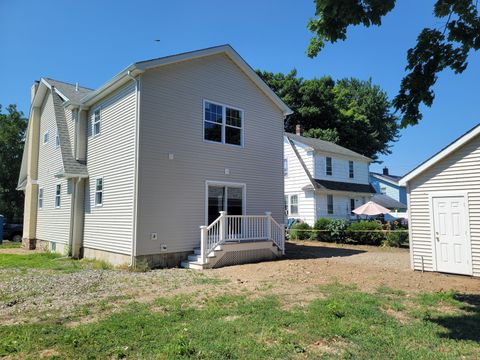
(452, 244)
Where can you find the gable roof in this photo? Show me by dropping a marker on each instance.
(326, 146)
(69, 91)
(447, 150)
(388, 178)
(139, 67)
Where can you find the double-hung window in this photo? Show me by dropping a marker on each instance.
(40, 198)
(328, 168)
(293, 204)
(222, 124)
(351, 173)
(58, 195)
(285, 204)
(99, 191)
(352, 205)
(330, 204)
(96, 123)
(57, 141)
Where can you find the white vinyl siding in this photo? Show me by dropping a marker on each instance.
(460, 171)
(172, 192)
(52, 224)
(112, 155)
(298, 179)
(341, 169)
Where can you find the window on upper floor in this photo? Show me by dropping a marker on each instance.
(330, 204)
(99, 191)
(57, 141)
(285, 167)
(40, 198)
(383, 190)
(329, 168)
(46, 136)
(293, 204)
(222, 124)
(351, 173)
(58, 195)
(96, 122)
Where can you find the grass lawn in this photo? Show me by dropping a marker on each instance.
(339, 321)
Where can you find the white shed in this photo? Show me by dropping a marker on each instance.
(443, 196)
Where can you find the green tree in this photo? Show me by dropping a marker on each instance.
(435, 51)
(12, 134)
(350, 112)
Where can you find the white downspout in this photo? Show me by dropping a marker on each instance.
(135, 191)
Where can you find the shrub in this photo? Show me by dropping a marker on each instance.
(396, 239)
(298, 231)
(337, 229)
(366, 232)
(322, 225)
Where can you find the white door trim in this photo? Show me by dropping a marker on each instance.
(442, 194)
(225, 183)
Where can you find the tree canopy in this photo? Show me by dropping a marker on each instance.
(12, 133)
(353, 113)
(436, 49)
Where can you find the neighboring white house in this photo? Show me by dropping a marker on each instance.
(132, 170)
(323, 179)
(444, 208)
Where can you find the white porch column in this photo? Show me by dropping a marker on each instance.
(203, 243)
(269, 224)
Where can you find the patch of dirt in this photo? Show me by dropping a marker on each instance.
(312, 263)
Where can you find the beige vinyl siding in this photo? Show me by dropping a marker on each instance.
(70, 127)
(112, 155)
(460, 171)
(52, 224)
(297, 178)
(171, 198)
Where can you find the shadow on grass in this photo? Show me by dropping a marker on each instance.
(464, 326)
(300, 251)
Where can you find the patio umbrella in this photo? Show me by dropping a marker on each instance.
(371, 208)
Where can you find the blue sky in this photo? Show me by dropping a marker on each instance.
(90, 41)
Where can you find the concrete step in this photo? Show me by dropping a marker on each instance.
(192, 265)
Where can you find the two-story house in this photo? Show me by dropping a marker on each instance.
(174, 157)
(323, 179)
(387, 184)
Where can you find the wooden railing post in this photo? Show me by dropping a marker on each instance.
(203, 243)
(269, 225)
(223, 227)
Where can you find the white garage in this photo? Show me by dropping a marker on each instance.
(444, 208)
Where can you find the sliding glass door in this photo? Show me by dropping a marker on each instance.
(224, 197)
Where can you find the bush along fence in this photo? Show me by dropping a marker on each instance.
(360, 232)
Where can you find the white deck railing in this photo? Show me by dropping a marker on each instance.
(240, 228)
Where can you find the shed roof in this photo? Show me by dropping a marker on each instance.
(344, 186)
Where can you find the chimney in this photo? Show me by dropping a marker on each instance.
(385, 171)
(33, 90)
(298, 129)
